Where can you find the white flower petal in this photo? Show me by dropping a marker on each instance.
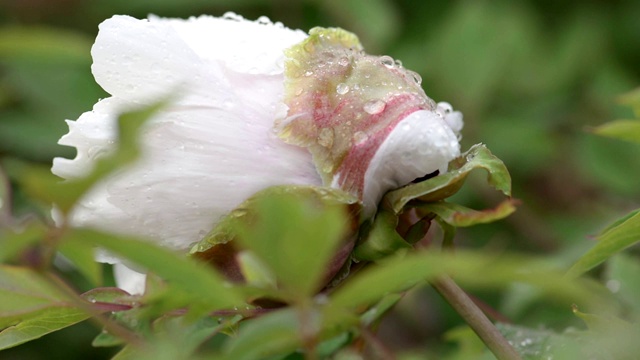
(242, 45)
(129, 280)
(420, 144)
(210, 150)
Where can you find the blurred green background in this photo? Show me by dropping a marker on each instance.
(530, 77)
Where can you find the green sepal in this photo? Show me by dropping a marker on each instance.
(445, 185)
(460, 216)
(380, 238)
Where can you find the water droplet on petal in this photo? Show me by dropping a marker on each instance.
(325, 138)
(360, 137)
(374, 107)
(387, 61)
(230, 15)
(342, 88)
(416, 77)
(343, 61)
(264, 20)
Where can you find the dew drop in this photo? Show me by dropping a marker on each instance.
(230, 15)
(343, 61)
(264, 20)
(613, 286)
(325, 138)
(360, 137)
(374, 107)
(342, 88)
(308, 73)
(416, 77)
(387, 61)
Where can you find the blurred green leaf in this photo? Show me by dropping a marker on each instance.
(633, 99)
(31, 307)
(294, 230)
(469, 344)
(13, 242)
(628, 130)
(44, 43)
(445, 185)
(468, 268)
(196, 282)
(380, 238)
(610, 336)
(534, 344)
(622, 279)
(276, 333)
(380, 25)
(610, 242)
(460, 216)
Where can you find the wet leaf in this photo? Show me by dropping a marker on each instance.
(613, 240)
(445, 185)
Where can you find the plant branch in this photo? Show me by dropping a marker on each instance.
(475, 318)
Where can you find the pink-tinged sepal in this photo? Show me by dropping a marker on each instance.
(343, 106)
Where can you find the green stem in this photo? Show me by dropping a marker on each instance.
(475, 318)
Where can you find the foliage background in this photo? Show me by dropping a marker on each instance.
(530, 77)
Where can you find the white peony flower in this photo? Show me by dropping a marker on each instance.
(239, 124)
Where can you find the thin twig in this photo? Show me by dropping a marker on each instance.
(475, 318)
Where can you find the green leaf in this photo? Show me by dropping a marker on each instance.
(460, 216)
(468, 268)
(196, 282)
(380, 239)
(14, 242)
(628, 130)
(5, 200)
(534, 344)
(445, 185)
(294, 230)
(274, 333)
(611, 241)
(622, 279)
(632, 98)
(31, 307)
